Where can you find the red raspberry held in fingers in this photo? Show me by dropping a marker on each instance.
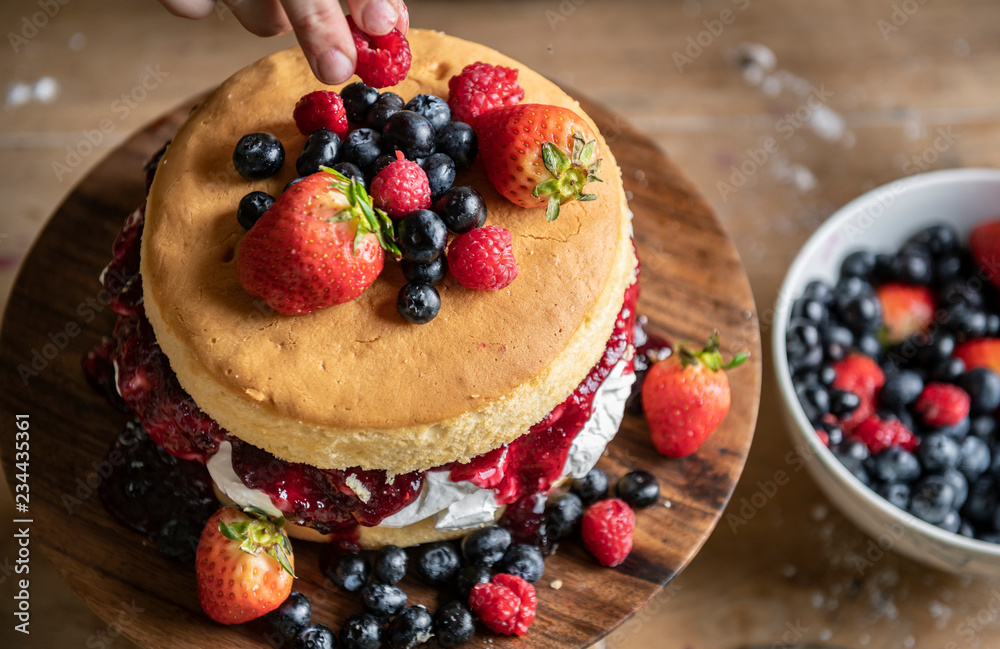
(480, 87)
(607, 531)
(943, 404)
(321, 109)
(383, 61)
(880, 434)
(402, 187)
(483, 258)
(505, 605)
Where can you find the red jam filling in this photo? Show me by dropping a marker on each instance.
(321, 498)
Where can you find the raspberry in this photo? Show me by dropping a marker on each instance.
(607, 531)
(824, 437)
(383, 61)
(321, 109)
(880, 434)
(505, 605)
(483, 258)
(481, 87)
(943, 404)
(401, 187)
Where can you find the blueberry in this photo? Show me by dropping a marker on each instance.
(382, 600)
(932, 499)
(815, 401)
(358, 100)
(389, 565)
(958, 432)
(843, 403)
(961, 292)
(361, 147)
(983, 386)
(975, 457)
(461, 208)
(639, 489)
(912, 267)
(291, 615)
(438, 562)
(469, 576)
(564, 513)
(851, 453)
(869, 345)
(992, 325)
(806, 360)
(258, 156)
(982, 501)
(361, 631)
(983, 427)
(959, 483)
(412, 627)
(947, 267)
(988, 536)
(834, 434)
(862, 313)
(896, 464)
(418, 303)
(422, 236)
(410, 133)
(951, 522)
(966, 529)
(861, 475)
(379, 115)
(486, 545)
(837, 342)
(315, 636)
(350, 170)
(801, 334)
(350, 572)
(818, 290)
(937, 239)
(380, 163)
(901, 389)
(453, 625)
(826, 375)
(938, 452)
(896, 493)
(177, 540)
(458, 141)
(948, 371)
(322, 148)
(389, 98)
(291, 182)
(431, 272)
(440, 170)
(883, 268)
(859, 263)
(524, 561)
(967, 322)
(591, 487)
(252, 207)
(433, 108)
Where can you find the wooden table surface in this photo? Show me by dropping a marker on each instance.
(857, 94)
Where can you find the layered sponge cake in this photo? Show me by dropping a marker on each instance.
(350, 420)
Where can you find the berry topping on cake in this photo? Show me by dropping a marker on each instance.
(607, 531)
(258, 156)
(321, 109)
(440, 170)
(505, 605)
(410, 133)
(457, 140)
(480, 87)
(358, 100)
(362, 148)
(461, 208)
(422, 236)
(483, 258)
(537, 155)
(383, 61)
(418, 303)
(244, 566)
(320, 244)
(431, 272)
(400, 188)
(252, 207)
(322, 149)
(432, 107)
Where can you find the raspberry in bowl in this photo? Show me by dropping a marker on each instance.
(881, 346)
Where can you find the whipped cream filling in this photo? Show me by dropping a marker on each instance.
(463, 505)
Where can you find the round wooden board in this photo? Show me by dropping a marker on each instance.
(692, 282)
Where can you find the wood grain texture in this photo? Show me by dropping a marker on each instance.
(692, 282)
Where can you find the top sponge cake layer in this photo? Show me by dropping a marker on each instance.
(355, 385)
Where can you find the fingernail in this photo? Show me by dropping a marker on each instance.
(334, 67)
(379, 16)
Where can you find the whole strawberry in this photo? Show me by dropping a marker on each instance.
(607, 531)
(984, 243)
(686, 396)
(906, 310)
(321, 243)
(537, 155)
(984, 352)
(244, 566)
(401, 188)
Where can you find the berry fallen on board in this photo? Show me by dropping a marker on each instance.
(321, 109)
(382, 600)
(943, 404)
(438, 563)
(453, 625)
(383, 61)
(400, 188)
(686, 396)
(389, 565)
(412, 627)
(244, 566)
(487, 545)
(607, 531)
(481, 87)
(591, 487)
(483, 258)
(361, 631)
(640, 489)
(320, 244)
(525, 561)
(292, 616)
(315, 636)
(906, 310)
(505, 605)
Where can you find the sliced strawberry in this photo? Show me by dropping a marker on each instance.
(880, 434)
(906, 310)
(984, 352)
(861, 375)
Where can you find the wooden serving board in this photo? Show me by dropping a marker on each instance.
(692, 282)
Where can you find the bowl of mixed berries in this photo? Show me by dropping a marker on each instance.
(886, 343)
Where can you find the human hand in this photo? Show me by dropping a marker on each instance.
(320, 26)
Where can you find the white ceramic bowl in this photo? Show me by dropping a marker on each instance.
(881, 221)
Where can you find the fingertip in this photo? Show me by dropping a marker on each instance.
(377, 17)
(191, 9)
(333, 66)
(403, 24)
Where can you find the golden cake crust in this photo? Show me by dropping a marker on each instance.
(355, 385)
